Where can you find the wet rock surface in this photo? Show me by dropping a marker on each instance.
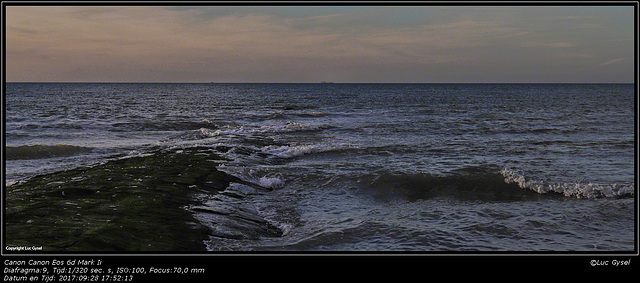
(169, 200)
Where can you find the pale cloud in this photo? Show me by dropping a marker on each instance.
(142, 37)
(159, 44)
(440, 43)
(549, 44)
(610, 62)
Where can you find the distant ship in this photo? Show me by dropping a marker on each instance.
(323, 82)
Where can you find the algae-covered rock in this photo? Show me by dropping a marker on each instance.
(130, 204)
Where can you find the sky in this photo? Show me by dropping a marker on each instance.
(289, 44)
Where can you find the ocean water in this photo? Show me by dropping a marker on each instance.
(366, 167)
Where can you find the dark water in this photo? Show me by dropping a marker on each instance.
(368, 167)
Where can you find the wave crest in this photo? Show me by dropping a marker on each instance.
(576, 189)
(289, 127)
(252, 176)
(467, 184)
(484, 183)
(286, 151)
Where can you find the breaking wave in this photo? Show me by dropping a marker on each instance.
(254, 177)
(289, 127)
(160, 125)
(575, 189)
(286, 151)
(483, 184)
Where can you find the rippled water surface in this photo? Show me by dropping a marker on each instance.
(368, 167)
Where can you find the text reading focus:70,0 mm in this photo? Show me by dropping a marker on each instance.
(176, 270)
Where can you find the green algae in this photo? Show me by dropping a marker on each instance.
(131, 204)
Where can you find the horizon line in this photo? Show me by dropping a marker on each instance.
(319, 82)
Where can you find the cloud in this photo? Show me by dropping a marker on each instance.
(130, 39)
(442, 43)
(549, 44)
(233, 44)
(610, 62)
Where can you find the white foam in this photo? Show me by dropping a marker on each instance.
(245, 129)
(136, 153)
(572, 189)
(252, 176)
(292, 151)
(270, 182)
(286, 151)
(591, 190)
(512, 177)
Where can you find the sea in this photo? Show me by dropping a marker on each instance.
(366, 167)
